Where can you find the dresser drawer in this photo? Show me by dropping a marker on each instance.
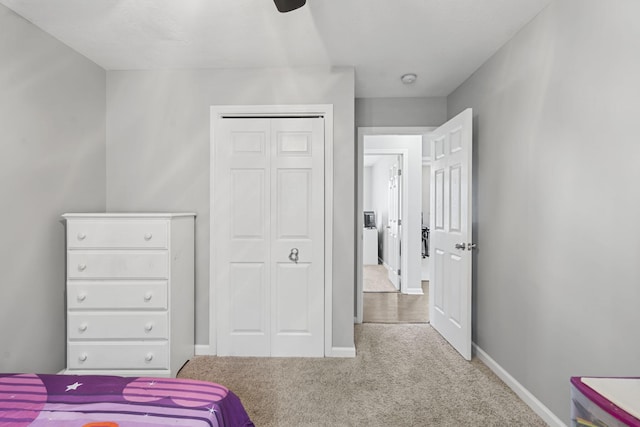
(117, 234)
(117, 264)
(117, 325)
(120, 294)
(108, 355)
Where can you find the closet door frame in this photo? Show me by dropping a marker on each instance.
(219, 112)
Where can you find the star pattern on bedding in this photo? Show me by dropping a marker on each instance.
(57, 400)
(73, 386)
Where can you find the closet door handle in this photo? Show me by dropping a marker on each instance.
(293, 256)
(461, 246)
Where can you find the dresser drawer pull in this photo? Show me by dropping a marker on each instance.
(148, 296)
(148, 327)
(82, 297)
(83, 357)
(149, 357)
(83, 327)
(82, 267)
(148, 236)
(82, 236)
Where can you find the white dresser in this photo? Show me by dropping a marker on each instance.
(130, 293)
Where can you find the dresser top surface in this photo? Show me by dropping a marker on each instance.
(128, 215)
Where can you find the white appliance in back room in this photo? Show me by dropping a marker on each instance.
(370, 239)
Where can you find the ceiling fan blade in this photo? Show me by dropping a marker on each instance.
(289, 5)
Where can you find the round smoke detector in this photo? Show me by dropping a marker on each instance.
(408, 78)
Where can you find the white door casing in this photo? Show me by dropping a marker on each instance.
(269, 209)
(451, 231)
(409, 152)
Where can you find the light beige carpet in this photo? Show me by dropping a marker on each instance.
(403, 375)
(375, 278)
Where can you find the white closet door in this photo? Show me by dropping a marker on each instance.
(269, 256)
(297, 244)
(242, 246)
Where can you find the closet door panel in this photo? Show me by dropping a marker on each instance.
(241, 252)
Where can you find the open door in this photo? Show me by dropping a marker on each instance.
(450, 223)
(394, 223)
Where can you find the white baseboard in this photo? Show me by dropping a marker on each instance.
(524, 394)
(414, 291)
(203, 350)
(342, 352)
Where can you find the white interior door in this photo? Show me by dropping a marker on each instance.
(394, 222)
(269, 257)
(450, 231)
(297, 237)
(241, 203)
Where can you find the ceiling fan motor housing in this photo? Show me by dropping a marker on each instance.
(289, 5)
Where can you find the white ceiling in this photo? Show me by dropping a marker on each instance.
(442, 41)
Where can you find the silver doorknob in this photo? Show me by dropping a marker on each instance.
(293, 256)
(461, 246)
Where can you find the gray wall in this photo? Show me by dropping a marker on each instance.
(158, 125)
(52, 112)
(557, 201)
(367, 190)
(382, 112)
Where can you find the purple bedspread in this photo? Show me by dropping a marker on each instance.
(109, 401)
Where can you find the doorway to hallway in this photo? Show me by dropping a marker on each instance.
(395, 307)
(380, 148)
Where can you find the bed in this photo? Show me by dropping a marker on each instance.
(109, 401)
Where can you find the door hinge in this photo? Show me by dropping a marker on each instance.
(399, 272)
(399, 172)
(399, 222)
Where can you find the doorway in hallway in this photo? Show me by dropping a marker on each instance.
(395, 307)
